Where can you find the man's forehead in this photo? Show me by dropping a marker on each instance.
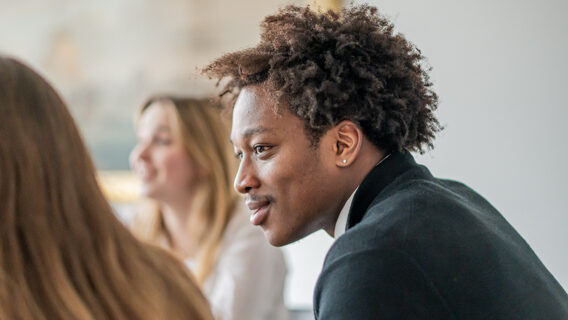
(263, 97)
(252, 97)
(250, 119)
(257, 111)
(253, 109)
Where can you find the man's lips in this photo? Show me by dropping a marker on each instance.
(260, 210)
(256, 204)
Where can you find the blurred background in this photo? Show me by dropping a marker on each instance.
(499, 68)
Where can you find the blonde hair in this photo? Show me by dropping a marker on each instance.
(63, 253)
(206, 140)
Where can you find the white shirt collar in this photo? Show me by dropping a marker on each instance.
(341, 222)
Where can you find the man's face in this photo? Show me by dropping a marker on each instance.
(290, 186)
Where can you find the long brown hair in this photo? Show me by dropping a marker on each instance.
(205, 137)
(63, 253)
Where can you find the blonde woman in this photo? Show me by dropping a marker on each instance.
(63, 253)
(186, 166)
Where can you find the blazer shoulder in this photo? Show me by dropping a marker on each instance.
(364, 283)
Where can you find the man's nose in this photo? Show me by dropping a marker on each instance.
(246, 178)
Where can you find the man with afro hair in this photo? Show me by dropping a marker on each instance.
(325, 112)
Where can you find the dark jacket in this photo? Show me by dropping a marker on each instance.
(417, 247)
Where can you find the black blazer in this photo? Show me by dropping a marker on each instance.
(417, 247)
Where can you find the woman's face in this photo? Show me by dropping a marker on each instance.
(160, 159)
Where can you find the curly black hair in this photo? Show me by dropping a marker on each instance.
(331, 66)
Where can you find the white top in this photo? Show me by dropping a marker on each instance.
(247, 282)
(341, 222)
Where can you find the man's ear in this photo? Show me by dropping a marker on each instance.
(348, 141)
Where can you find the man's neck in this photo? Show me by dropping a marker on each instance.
(353, 176)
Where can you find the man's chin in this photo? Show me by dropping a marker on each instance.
(274, 238)
(278, 240)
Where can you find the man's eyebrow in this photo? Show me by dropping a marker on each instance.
(252, 131)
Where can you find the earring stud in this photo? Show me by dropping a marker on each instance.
(344, 160)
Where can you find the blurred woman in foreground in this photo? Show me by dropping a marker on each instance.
(186, 165)
(63, 253)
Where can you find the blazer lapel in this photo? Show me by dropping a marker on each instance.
(377, 179)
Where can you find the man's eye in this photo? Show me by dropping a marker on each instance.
(239, 155)
(260, 149)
